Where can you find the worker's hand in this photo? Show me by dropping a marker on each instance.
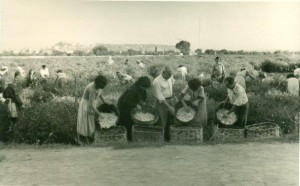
(186, 108)
(224, 103)
(139, 107)
(91, 110)
(172, 110)
(226, 115)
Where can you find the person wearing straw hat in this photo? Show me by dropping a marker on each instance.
(163, 92)
(13, 104)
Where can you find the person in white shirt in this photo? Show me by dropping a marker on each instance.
(163, 92)
(110, 61)
(292, 84)
(297, 72)
(44, 71)
(237, 97)
(240, 77)
(124, 79)
(140, 63)
(21, 71)
(183, 71)
(61, 79)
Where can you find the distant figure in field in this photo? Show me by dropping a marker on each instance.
(31, 78)
(140, 63)
(183, 71)
(21, 71)
(110, 61)
(218, 73)
(126, 62)
(292, 84)
(3, 76)
(61, 79)
(19, 80)
(297, 72)
(124, 79)
(44, 72)
(241, 76)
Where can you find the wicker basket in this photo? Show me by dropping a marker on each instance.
(227, 134)
(263, 130)
(186, 134)
(147, 110)
(220, 122)
(147, 134)
(111, 135)
(178, 106)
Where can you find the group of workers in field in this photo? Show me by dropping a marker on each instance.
(13, 81)
(135, 95)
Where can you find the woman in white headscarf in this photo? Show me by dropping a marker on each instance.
(3, 76)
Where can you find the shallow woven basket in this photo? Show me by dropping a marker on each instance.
(145, 110)
(147, 134)
(227, 134)
(186, 134)
(263, 130)
(220, 122)
(113, 135)
(178, 106)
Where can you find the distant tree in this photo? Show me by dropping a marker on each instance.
(277, 52)
(170, 52)
(184, 47)
(9, 53)
(58, 53)
(79, 53)
(210, 51)
(198, 51)
(241, 52)
(100, 50)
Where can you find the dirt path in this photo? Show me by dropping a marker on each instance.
(227, 164)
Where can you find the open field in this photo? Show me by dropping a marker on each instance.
(49, 111)
(225, 164)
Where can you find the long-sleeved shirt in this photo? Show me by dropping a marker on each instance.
(237, 96)
(163, 88)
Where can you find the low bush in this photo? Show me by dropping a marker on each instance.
(273, 108)
(40, 95)
(269, 66)
(54, 121)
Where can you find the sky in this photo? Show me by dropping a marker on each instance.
(260, 26)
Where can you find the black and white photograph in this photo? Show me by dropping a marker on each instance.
(166, 93)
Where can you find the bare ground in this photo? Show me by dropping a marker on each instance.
(223, 164)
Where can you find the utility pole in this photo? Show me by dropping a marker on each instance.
(199, 32)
